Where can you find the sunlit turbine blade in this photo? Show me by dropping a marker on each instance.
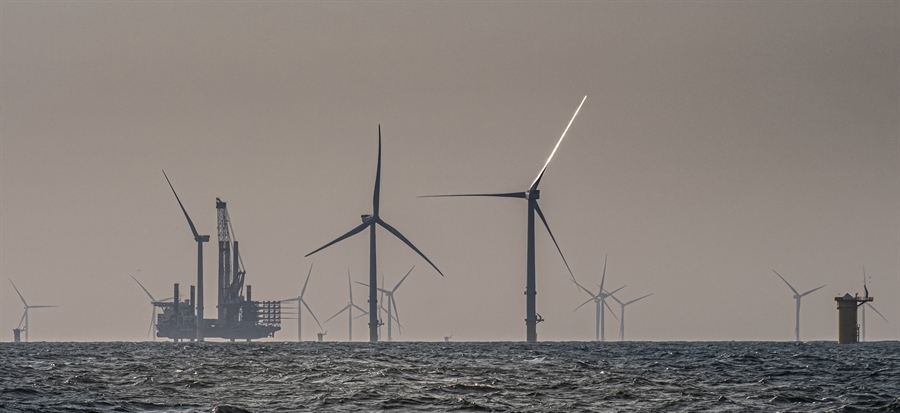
(522, 195)
(788, 284)
(142, 287)
(397, 234)
(814, 289)
(352, 232)
(537, 208)
(376, 197)
(17, 292)
(311, 313)
(636, 299)
(402, 279)
(537, 181)
(303, 291)
(191, 223)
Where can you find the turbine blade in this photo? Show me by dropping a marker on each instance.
(397, 234)
(537, 208)
(290, 299)
(403, 279)
(603, 278)
(142, 287)
(537, 181)
(361, 315)
(360, 309)
(636, 299)
(350, 286)
(352, 232)
(788, 284)
(498, 195)
(152, 316)
(614, 298)
(23, 318)
(17, 292)
(814, 289)
(377, 195)
(346, 307)
(43, 306)
(310, 313)
(191, 223)
(610, 310)
(303, 291)
(878, 312)
(610, 294)
(582, 304)
(584, 289)
(396, 312)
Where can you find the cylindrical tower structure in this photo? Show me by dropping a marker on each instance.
(847, 327)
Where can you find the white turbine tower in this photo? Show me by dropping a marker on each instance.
(299, 299)
(622, 314)
(25, 315)
(797, 296)
(391, 303)
(599, 300)
(349, 309)
(154, 303)
(863, 309)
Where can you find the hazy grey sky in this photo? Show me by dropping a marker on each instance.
(719, 141)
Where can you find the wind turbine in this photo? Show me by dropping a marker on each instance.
(27, 307)
(200, 240)
(371, 221)
(391, 302)
(153, 304)
(622, 314)
(531, 195)
(864, 305)
(599, 300)
(797, 296)
(349, 309)
(299, 299)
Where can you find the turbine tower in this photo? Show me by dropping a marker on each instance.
(531, 195)
(349, 309)
(200, 240)
(392, 303)
(797, 296)
(864, 305)
(599, 300)
(622, 314)
(25, 315)
(299, 299)
(371, 221)
(153, 304)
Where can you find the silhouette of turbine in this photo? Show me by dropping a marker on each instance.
(27, 307)
(797, 296)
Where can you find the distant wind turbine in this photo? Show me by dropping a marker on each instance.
(349, 309)
(797, 296)
(27, 307)
(371, 221)
(864, 305)
(392, 304)
(622, 314)
(154, 303)
(299, 299)
(531, 195)
(599, 300)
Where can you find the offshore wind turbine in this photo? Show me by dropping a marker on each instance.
(200, 240)
(371, 221)
(349, 309)
(391, 302)
(299, 299)
(153, 305)
(863, 309)
(599, 300)
(797, 296)
(531, 195)
(25, 315)
(622, 314)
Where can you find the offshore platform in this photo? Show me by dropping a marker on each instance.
(238, 318)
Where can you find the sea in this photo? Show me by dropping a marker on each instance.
(241, 377)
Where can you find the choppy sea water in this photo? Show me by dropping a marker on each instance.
(456, 376)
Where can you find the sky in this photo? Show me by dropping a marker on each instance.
(719, 141)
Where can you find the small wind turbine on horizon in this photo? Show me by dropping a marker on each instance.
(27, 307)
(391, 303)
(349, 309)
(599, 300)
(299, 299)
(622, 313)
(797, 296)
(863, 309)
(154, 303)
(371, 221)
(531, 195)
